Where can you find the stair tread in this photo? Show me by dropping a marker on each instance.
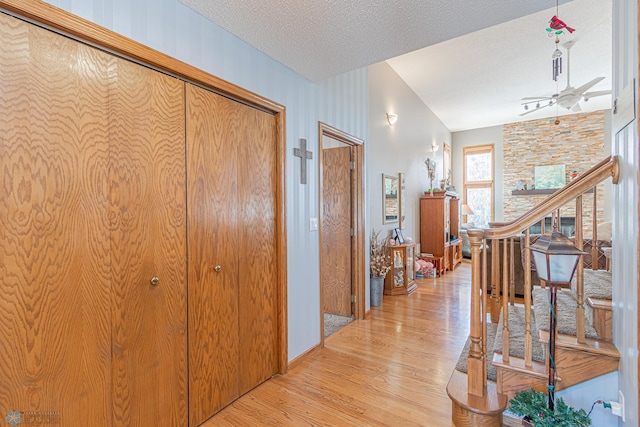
(538, 369)
(603, 304)
(491, 403)
(604, 348)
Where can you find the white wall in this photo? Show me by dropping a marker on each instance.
(485, 136)
(174, 29)
(625, 210)
(402, 147)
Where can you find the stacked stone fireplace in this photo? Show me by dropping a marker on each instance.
(577, 143)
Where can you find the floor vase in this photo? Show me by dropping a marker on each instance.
(377, 288)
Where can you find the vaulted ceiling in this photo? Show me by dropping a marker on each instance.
(470, 61)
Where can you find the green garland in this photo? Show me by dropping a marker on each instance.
(532, 405)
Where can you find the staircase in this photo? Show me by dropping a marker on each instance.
(507, 347)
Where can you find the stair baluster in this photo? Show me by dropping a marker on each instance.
(594, 248)
(528, 340)
(505, 302)
(495, 280)
(580, 325)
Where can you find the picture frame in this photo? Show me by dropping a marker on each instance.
(399, 238)
(550, 177)
(402, 211)
(390, 199)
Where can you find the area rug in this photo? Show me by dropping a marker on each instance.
(516, 341)
(333, 322)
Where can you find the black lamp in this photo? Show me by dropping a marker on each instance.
(555, 257)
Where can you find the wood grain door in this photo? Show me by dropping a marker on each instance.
(256, 243)
(212, 204)
(147, 219)
(336, 231)
(55, 322)
(231, 246)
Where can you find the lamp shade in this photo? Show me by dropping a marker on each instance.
(555, 257)
(466, 210)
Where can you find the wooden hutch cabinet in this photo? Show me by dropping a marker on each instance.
(400, 280)
(440, 227)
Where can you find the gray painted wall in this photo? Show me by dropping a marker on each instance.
(402, 147)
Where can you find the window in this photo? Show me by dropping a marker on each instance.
(478, 184)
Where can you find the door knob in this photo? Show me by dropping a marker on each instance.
(217, 268)
(154, 281)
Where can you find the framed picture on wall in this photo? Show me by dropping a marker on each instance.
(389, 199)
(401, 201)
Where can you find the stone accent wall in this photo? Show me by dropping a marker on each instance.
(577, 142)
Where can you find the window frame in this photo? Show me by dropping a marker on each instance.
(466, 184)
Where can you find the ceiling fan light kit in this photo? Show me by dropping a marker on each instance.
(569, 97)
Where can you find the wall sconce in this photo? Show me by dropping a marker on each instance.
(434, 147)
(392, 118)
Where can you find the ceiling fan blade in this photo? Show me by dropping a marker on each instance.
(585, 87)
(593, 94)
(576, 108)
(536, 98)
(535, 109)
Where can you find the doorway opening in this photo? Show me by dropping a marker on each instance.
(341, 227)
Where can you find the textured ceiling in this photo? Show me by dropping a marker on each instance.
(322, 39)
(470, 61)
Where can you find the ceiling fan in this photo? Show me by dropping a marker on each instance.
(569, 97)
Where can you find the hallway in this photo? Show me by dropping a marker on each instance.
(389, 370)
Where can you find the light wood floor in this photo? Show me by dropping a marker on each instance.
(389, 370)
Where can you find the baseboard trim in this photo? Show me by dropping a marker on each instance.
(295, 362)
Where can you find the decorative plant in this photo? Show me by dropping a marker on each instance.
(431, 171)
(380, 258)
(532, 405)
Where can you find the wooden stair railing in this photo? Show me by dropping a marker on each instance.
(506, 232)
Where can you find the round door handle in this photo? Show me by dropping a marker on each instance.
(154, 281)
(217, 268)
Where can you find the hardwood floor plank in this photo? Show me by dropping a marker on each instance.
(388, 370)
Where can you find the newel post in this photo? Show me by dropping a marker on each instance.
(476, 361)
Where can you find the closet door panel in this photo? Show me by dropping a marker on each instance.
(147, 217)
(55, 343)
(213, 126)
(257, 244)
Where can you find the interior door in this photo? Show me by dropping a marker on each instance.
(256, 241)
(147, 218)
(212, 156)
(336, 230)
(55, 322)
(231, 245)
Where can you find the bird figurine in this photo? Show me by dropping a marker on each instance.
(557, 24)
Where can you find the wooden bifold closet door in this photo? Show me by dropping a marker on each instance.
(92, 205)
(232, 321)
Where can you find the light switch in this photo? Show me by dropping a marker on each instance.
(313, 224)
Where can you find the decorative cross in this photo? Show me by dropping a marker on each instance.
(304, 156)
